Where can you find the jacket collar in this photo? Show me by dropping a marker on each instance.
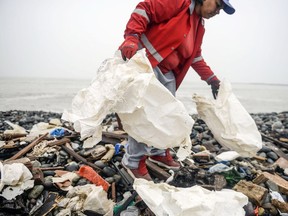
(192, 6)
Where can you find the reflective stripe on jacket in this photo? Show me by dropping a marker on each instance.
(162, 26)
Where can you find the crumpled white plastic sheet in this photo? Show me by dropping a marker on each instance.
(16, 129)
(86, 197)
(230, 123)
(17, 178)
(148, 111)
(164, 199)
(227, 156)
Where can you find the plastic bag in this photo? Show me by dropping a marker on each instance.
(231, 125)
(164, 199)
(148, 111)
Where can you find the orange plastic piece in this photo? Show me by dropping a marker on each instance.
(90, 174)
(256, 211)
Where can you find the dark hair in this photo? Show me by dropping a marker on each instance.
(199, 2)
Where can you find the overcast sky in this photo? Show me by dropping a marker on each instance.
(70, 38)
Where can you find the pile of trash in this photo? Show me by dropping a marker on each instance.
(45, 170)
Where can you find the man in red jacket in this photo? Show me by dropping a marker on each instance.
(171, 33)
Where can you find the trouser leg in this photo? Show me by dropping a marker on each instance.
(135, 150)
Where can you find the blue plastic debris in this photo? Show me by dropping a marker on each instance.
(58, 132)
(118, 148)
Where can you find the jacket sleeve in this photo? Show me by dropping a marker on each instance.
(201, 67)
(151, 12)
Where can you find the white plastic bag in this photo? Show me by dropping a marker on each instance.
(148, 111)
(164, 199)
(231, 125)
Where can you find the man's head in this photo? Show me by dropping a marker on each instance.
(210, 8)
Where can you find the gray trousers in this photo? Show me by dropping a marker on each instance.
(135, 150)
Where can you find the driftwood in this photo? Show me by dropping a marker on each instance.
(157, 171)
(274, 140)
(59, 142)
(114, 135)
(28, 148)
(77, 157)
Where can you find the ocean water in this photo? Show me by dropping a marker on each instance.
(55, 95)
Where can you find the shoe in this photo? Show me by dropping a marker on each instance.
(141, 171)
(165, 161)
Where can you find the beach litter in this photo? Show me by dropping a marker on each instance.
(53, 164)
(232, 162)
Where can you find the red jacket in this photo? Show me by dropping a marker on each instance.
(162, 26)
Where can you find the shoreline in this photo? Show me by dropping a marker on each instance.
(27, 117)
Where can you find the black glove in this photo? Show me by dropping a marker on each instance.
(215, 84)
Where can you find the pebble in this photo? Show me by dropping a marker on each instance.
(110, 180)
(265, 149)
(75, 146)
(36, 164)
(267, 198)
(108, 171)
(49, 173)
(271, 185)
(199, 129)
(263, 154)
(249, 209)
(36, 191)
(117, 178)
(33, 201)
(273, 125)
(63, 153)
(48, 181)
(270, 161)
(100, 164)
(76, 179)
(72, 166)
(44, 165)
(272, 155)
(277, 125)
(261, 211)
(82, 181)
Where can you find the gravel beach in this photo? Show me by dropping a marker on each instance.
(271, 159)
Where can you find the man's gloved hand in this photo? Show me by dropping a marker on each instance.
(215, 84)
(129, 47)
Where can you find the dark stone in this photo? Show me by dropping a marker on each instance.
(72, 166)
(108, 171)
(272, 155)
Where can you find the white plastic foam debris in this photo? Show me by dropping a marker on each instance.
(227, 156)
